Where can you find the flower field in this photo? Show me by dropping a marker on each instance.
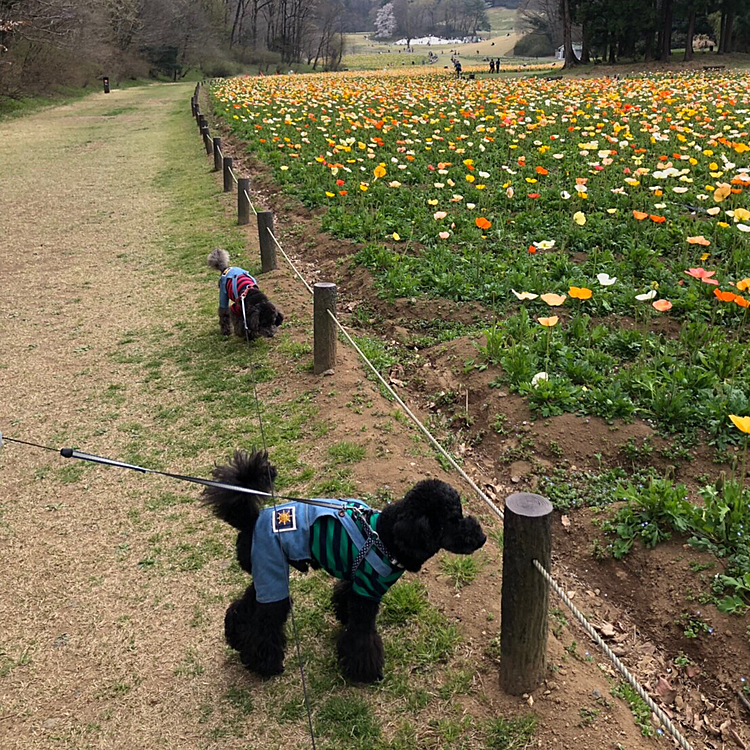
(603, 223)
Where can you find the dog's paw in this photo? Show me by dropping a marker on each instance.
(233, 625)
(361, 656)
(263, 663)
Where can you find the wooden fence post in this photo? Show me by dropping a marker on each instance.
(227, 162)
(207, 140)
(525, 596)
(243, 201)
(217, 154)
(202, 123)
(267, 246)
(324, 329)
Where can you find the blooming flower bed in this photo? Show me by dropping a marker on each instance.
(622, 204)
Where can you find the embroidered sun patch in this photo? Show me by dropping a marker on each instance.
(285, 519)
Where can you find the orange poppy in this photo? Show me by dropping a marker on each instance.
(542, 170)
(640, 215)
(698, 240)
(482, 223)
(580, 292)
(549, 322)
(532, 249)
(662, 305)
(553, 300)
(741, 301)
(743, 285)
(657, 219)
(725, 296)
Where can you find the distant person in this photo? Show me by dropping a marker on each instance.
(492, 65)
(497, 65)
(458, 68)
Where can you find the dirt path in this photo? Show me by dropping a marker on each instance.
(113, 586)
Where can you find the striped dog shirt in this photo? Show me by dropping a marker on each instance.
(234, 283)
(330, 537)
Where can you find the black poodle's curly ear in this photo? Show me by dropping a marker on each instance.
(279, 317)
(253, 321)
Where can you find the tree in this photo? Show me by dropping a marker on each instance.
(567, 22)
(385, 22)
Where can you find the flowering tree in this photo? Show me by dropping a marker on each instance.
(385, 22)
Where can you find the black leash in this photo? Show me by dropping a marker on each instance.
(278, 536)
(71, 453)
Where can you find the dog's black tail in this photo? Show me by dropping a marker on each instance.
(250, 470)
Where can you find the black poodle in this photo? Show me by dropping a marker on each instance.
(366, 548)
(236, 285)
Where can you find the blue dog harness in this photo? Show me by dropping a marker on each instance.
(234, 283)
(342, 540)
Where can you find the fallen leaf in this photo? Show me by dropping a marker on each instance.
(665, 691)
(565, 522)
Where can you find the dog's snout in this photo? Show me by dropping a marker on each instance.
(465, 537)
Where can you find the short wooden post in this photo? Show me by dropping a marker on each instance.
(243, 201)
(207, 140)
(267, 245)
(227, 161)
(525, 595)
(217, 154)
(324, 329)
(202, 123)
(192, 106)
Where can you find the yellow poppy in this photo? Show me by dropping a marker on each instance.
(741, 423)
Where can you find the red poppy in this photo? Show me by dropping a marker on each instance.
(532, 249)
(533, 195)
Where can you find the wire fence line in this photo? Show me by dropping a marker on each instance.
(624, 671)
(289, 261)
(417, 421)
(579, 616)
(247, 195)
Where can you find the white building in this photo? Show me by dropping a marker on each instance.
(560, 51)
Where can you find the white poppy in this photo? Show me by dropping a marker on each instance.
(605, 279)
(524, 295)
(544, 245)
(647, 296)
(538, 378)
